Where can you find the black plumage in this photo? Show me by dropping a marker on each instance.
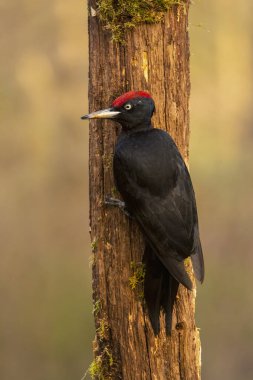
(155, 185)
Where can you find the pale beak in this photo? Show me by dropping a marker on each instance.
(108, 113)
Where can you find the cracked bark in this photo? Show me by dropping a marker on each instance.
(154, 58)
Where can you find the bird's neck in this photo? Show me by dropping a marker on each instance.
(129, 129)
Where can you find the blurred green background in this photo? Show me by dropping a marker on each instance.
(45, 281)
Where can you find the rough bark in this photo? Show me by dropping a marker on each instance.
(154, 57)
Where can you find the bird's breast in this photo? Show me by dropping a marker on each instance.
(145, 163)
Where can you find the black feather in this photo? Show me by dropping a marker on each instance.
(156, 187)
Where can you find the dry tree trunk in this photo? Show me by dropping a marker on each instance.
(155, 57)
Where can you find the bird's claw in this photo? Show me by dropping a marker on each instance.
(109, 201)
(114, 202)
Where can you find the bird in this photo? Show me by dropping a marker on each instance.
(155, 185)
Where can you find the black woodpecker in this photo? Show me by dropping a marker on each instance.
(157, 192)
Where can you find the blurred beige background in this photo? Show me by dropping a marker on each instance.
(46, 325)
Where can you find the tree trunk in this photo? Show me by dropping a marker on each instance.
(155, 57)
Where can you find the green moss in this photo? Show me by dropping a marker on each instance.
(104, 365)
(96, 307)
(94, 245)
(102, 330)
(136, 281)
(109, 356)
(95, 369)
(101, 366)
(120, 15)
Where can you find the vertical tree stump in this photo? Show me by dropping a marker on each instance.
(155, 57)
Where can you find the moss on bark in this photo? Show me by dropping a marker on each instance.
(120, 15)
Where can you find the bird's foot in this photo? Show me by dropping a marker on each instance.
(109, 201)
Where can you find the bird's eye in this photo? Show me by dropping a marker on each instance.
(128, 106)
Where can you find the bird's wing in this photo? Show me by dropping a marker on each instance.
(156, 186)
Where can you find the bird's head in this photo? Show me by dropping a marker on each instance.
(132, 110)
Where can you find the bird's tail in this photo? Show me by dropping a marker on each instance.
(160, 290)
